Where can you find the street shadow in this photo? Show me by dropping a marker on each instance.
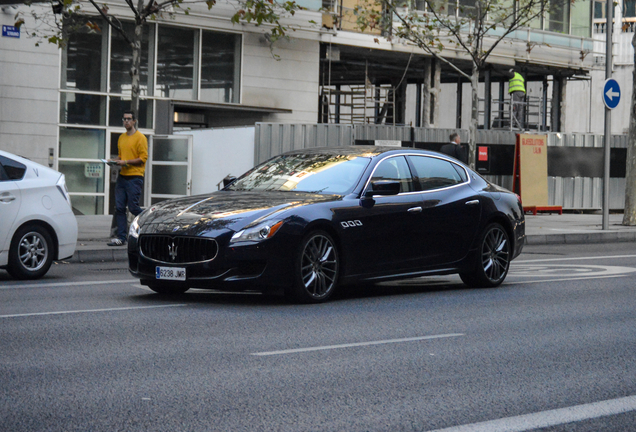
(343, 294)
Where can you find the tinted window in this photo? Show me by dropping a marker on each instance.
(435, 173)
(14, 170)
(316, 173)
(397, 169)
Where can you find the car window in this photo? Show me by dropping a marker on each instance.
(14, 170)
(433, 173)
(395, 168)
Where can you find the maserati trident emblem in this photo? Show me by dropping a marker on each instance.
(172, 251)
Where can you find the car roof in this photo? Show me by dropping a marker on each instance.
(359, 150)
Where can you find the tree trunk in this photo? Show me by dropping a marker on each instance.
(474, 116)
(629, 215)
(136, 62)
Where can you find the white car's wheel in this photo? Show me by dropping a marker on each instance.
(31, 253)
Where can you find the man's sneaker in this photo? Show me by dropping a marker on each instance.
(116, 242)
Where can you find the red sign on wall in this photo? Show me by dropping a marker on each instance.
(482, 154)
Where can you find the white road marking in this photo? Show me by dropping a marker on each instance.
(351, 345)
(542, 270)
(68, 284)
(90, 310)
(562, 279)
(576, 258)
(555, 417)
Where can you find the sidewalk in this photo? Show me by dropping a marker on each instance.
(568, 228)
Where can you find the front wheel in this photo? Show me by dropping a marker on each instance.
(493, 261)
(317, 268)
(31, 253)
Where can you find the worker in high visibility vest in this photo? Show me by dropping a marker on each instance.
(517, 91)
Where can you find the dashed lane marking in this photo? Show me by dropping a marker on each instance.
(359, 344)
(89, 311)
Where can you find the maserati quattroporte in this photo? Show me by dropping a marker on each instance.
(309, 221)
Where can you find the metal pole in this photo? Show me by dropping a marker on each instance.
(608, 113)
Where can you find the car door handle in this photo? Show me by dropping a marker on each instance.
(415, 210)
(7, 198)
(472, 202)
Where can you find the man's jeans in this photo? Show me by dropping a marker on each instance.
(127, 193)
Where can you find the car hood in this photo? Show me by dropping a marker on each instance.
(221, 211)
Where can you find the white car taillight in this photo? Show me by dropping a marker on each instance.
(61, 186)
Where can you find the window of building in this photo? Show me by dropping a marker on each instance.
(599, 9)
(96, 89)
(80, 143)
(558, 19)
(118, 105)
(580, 19)
(175, 63)
(80, 108)
(121, 61)
(220, 67)
(629, 8)
(84, 61)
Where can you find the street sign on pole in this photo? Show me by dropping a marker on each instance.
(611, 93)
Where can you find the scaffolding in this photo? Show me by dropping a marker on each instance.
(533, 114)
(367, 104)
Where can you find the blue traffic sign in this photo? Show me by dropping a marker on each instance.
(611, 93)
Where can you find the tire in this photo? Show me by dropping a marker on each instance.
(493, 259)
(31, 253)
(317, 268)
(167, 290)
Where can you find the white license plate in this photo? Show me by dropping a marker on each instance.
(171, 273)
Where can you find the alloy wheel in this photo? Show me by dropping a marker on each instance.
(33, 251)
(319, 266)
(495, 254)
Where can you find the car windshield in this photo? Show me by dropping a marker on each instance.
(315, 173)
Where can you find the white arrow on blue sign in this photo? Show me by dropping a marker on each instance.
(611, 93)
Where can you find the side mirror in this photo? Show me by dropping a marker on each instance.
(383, 187)
(228, 180)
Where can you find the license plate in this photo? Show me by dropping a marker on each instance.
(171, 273)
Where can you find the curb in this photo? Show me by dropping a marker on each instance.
(99, 255)
(581, 238)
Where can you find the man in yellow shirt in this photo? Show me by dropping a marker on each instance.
(132, 155)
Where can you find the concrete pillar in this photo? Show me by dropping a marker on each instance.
(557, 116)
(487, 99)
(459, 105)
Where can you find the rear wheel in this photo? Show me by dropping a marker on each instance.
(493, 260)
(317, 268)
(31, 253)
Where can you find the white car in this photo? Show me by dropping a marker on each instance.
(37, 224)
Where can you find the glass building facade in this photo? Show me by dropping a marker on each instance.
(178, 63)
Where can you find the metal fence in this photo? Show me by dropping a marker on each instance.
(576, 193)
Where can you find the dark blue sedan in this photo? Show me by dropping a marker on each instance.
(308, 221)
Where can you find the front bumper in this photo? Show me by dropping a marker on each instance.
(259, 266)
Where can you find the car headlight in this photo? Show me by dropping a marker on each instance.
(134, 228)
(257, 233)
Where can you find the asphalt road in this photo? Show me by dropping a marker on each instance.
(553, 349)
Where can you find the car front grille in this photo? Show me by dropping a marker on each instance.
(180, 250)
